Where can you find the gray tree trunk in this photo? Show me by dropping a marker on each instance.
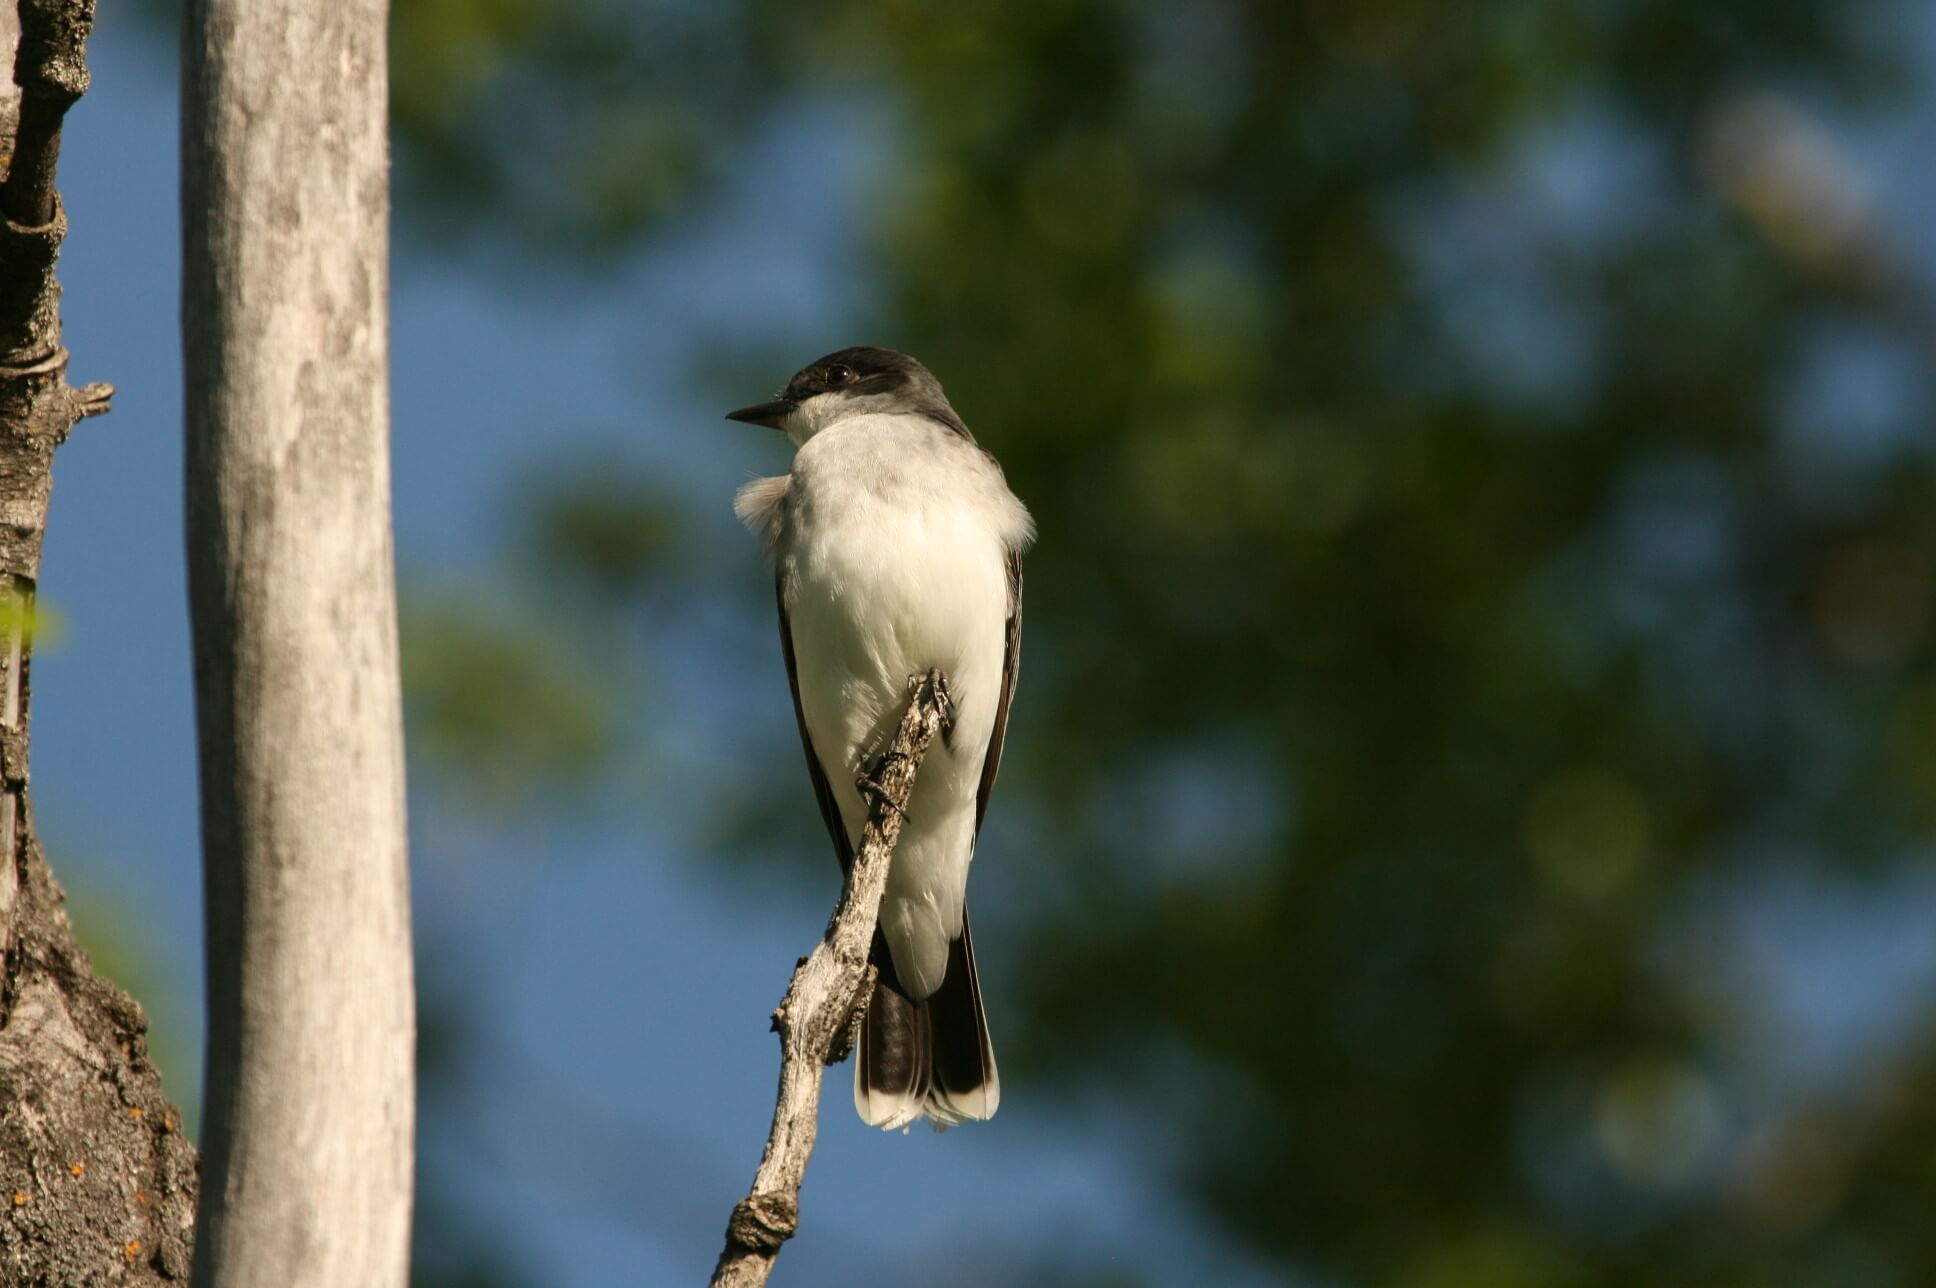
(310, 1094)
(97, 1183)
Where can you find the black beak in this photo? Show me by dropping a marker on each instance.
(769, 414)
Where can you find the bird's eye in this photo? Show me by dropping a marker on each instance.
(840, 375)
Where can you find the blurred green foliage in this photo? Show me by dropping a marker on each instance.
(1483, 461)
(494, 696)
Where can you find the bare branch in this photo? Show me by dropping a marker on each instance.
(817, 1016)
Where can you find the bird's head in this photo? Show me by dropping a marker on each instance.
(860, 381)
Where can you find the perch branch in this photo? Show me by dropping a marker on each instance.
(817, 1016)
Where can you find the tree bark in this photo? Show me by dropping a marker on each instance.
(310, 1092)
(97, 1183)
(819, 1015)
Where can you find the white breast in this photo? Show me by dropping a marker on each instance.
(893, 542)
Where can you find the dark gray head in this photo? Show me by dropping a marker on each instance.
(854, 382)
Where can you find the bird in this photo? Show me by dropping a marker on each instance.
(897, 549)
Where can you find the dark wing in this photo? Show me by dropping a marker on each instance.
(1011, 663)
(822, 792)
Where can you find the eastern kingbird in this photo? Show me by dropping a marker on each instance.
(898, 548)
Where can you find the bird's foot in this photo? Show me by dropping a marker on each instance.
(872, 788)
(944, 698)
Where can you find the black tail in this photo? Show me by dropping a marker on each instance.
(928, 1057)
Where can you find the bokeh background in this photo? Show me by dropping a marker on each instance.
(1469, 814)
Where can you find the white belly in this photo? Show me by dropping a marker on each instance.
(909, 574)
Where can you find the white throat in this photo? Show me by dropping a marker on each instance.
(815, 414)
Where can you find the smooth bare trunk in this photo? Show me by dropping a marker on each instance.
(309, 1104)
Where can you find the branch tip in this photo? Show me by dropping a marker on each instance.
(93, 399)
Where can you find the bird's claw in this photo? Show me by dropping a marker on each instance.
(944, 698)
(873, 788)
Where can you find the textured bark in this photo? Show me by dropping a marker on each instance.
(97, 1183)
(819, 1015)
(310, 1094)
(9, 92)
